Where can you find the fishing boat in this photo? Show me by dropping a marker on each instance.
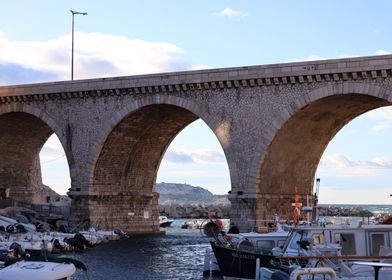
(236, 254)
(315, 261)
(354, 243)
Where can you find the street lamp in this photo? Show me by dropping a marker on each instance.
(72, 51)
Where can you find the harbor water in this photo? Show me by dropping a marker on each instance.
(177, 255)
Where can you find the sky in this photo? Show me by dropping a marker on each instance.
(121, 37)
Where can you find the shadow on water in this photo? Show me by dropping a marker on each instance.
(177, 255)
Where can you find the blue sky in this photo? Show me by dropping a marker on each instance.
(135, 37)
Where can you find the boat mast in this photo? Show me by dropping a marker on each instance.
(316, 195)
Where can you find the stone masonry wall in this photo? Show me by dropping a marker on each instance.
(265, 117)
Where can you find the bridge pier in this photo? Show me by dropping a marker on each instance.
(134, 213)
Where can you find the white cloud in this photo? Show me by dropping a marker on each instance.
(315, 57)
(312, 57)
(194, 156)
(384, 113)
(336, 160)
(96, 55)
(194, 173)
(52, 150)
(338, 165)
(380, 128)
(208, 156)
(177, 157)
(231, 13)
(339, 160)
(344, 195)
(201, 67)
(382, 52)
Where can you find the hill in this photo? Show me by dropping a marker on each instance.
(171, 193)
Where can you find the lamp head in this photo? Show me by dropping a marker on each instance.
(78, 13)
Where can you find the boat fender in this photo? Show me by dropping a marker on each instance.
(3, 255)
(211, 229)
(57, 245)
(10, 229)
(18, 250)
(72, 242)
(82, 240)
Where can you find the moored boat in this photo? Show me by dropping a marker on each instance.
(236, 254)
(25, 270)
(354, 242)
(164, 221)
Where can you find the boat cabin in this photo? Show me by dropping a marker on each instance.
(363, 240)
(259, 242)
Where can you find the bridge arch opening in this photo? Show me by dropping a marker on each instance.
(123, 189)
(355, 167)
(55, 169)
(294, 153)
(22, 136)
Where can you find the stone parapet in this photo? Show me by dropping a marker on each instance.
(355, 69)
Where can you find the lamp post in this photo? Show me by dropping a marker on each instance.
(72, 51)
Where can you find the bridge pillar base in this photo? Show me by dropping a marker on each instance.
(242, 213)
(251, 213)
(135, 214)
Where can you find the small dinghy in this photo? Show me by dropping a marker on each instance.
(26, 270)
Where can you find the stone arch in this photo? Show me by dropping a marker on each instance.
(183, 103)
(300, 138)
(122, 189)
(23, 132)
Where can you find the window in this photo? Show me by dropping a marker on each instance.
(265, 245)
(347, 241)
(281, 243)
(293, 242)
(377, 240)
(318, 238)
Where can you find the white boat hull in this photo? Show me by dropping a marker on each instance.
(37, 271)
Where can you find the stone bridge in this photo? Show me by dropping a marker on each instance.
(273, 122)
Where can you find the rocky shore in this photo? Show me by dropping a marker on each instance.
(223, 211)
(339, 211)
(194, 211)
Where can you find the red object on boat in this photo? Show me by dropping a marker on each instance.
(387, 221)
(219, 223)
(296, 207)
